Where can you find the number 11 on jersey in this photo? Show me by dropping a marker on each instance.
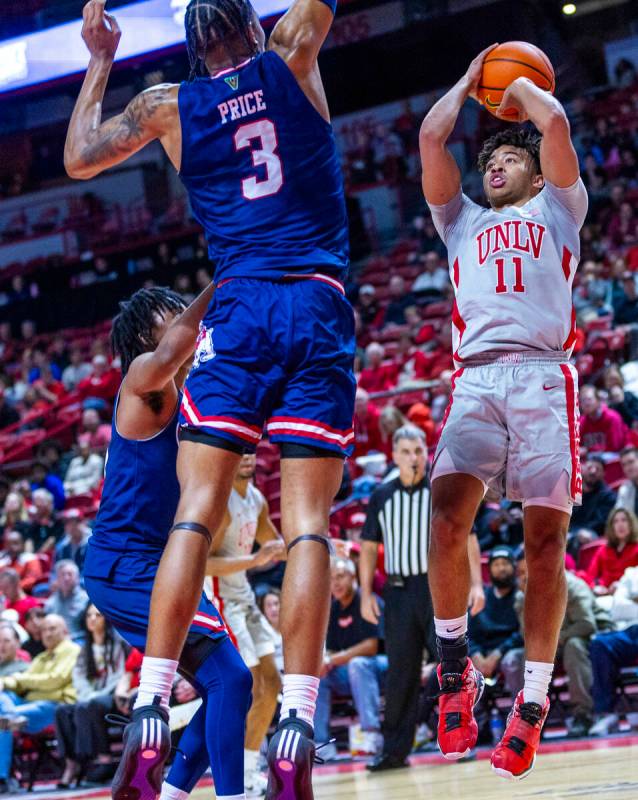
(501, 286)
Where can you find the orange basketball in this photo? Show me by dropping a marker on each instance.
(507, 62)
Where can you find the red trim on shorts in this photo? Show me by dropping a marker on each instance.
(208, 621)
(455, 272)
(218, 602)
(310, 429)
(571, 339)
(314, 276)
(459, 324)
(317, 276)
(239, 428)
(453, 380)
(574, 436)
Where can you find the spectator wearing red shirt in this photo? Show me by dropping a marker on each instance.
(14, 595)
(376, 376)
(27, 565)
(94, 431)
(103, 382)
(410, 363)
(48, 388)
(621, 551)
(367, 433)
(601, 429)
(128, 684)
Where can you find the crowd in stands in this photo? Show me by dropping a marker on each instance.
(57, 392)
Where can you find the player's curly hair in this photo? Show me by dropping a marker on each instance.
(132, 332)
(515, 137)
(210, 23)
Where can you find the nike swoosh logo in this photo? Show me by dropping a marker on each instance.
(453, 630)
(547, 388)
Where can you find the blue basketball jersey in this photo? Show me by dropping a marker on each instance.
(262, 172)
(141, 490)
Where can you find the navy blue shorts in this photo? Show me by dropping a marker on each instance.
(278, 354)
(120, 586)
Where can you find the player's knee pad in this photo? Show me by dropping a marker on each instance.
(194, 527)
(313, 537)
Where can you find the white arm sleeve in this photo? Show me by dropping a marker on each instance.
(573, 199)
(447, 216)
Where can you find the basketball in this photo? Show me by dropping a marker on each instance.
(507, 62)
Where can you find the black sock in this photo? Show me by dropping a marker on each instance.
(453, 653)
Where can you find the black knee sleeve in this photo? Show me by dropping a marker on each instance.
(195, 527)
(313, 537)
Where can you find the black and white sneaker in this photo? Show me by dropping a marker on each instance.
(147, 744)
(291, 754)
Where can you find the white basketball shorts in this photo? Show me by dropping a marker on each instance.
(254, 634)
(513, 422)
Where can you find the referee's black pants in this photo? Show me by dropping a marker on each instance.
(409, 628)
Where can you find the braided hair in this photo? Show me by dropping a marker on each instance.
(132, 332)
(210, 23)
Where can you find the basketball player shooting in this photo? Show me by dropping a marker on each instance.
(511, 425)
(251, 139)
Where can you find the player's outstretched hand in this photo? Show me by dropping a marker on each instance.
(100, 30)
(475, 70)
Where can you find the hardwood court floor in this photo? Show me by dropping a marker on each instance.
(600, 770)
(603, 773)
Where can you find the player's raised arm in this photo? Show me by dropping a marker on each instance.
(92, 145)
(441, 175)
(151, 372)
(300, 33)
(559, 162)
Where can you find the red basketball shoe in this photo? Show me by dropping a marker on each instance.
(458, 731)
(516, 752)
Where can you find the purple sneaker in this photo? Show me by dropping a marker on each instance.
(291, 754)
(147, 744)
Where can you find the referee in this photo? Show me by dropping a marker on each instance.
(399, 516)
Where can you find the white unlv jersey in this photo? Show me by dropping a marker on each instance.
(239, 539)
(512, 271)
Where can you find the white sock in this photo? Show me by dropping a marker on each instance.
(251, 760)
(156, 678)
(538, 675)
(450, 628)
(300, 692)
(172, 793)
(241, 796)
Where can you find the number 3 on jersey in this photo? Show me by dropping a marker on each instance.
(263, 155)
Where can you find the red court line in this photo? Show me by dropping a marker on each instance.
(425, 759)
(483, 753)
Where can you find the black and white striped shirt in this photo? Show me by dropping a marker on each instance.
(399, 516)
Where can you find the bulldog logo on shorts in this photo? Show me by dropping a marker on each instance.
(204, 349)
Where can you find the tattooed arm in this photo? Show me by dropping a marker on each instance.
(92, 145)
